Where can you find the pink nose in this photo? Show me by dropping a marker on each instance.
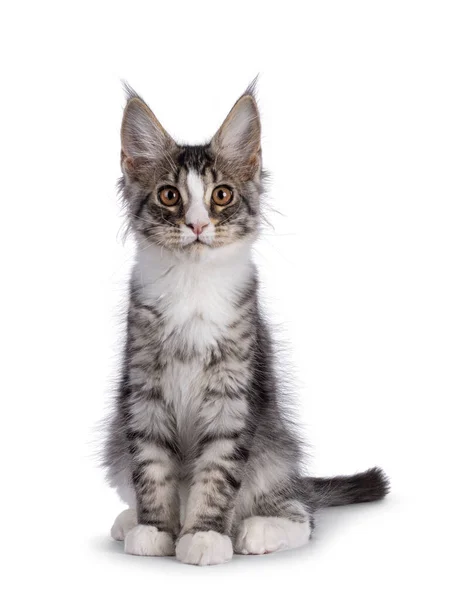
(198, 227)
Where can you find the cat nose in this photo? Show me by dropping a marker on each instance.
(198, 227)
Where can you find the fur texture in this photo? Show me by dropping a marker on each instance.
(199, 445)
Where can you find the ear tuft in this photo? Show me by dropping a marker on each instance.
(129, 91)
(252, 88)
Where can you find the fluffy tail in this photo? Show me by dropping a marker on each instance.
(361, 487)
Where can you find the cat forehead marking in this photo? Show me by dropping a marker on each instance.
(196, 212)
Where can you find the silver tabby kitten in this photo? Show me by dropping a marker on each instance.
(199, 446)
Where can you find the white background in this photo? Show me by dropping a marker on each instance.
(355, 102)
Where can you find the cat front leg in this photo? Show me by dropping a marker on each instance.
(155, 476)
(216, 480)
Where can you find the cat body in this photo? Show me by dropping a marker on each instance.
(199, 445)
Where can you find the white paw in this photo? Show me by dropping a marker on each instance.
(261, 535)
(146, 540)
(123, 523)
(204, 548)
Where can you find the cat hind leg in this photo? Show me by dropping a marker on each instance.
(263, 535)
(278, 519)
(124, 523)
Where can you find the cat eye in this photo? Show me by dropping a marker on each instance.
(169, 195)
(222, 195)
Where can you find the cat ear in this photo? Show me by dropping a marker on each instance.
(238, 140)
(144, 139)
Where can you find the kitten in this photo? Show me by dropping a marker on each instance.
(199, 446)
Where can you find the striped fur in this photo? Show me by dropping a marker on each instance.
(200, 446)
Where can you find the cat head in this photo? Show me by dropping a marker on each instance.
(192, 198)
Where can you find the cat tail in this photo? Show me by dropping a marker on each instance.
(368, 486)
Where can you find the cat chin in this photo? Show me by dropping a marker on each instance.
(204, 252)
(192, 250)
(197, 246)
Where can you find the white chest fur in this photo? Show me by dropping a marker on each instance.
(197, 297)
(196, 294)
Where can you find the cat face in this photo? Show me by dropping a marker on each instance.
(192, 198)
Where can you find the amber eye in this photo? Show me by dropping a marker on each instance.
(222, 195)
(169, 196)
